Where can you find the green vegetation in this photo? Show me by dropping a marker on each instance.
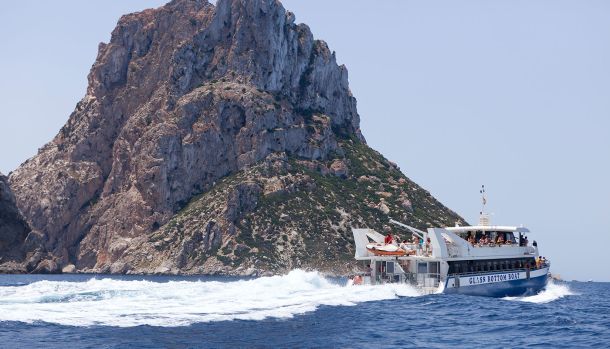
(307, 221)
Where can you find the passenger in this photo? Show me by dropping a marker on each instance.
(388, 239)
(396, 240)
(471, 239)
(520, 239)
(404, 245)
(415, 240)
(357, 280)
(428, 247)
(537, 262)
(500, 240)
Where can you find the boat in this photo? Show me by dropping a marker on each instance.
(481, 260)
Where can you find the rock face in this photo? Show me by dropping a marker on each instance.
(186, 97)
(13, 227)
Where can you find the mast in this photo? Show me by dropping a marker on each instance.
(483, 216)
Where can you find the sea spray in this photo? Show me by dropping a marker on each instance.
(551, 292)
(111, 302)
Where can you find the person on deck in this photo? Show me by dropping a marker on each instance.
(415, 240)
(428, 246)
(388, 239)
(471, 240)
(405, 245)
(396, 240)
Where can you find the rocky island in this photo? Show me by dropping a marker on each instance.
(212, 139)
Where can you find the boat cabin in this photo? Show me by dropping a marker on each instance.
(485, 235)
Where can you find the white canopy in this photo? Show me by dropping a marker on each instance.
(503, 228)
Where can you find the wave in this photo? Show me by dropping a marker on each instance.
(111, 302)
(550, 293)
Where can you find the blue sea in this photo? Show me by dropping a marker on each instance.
(297, 310)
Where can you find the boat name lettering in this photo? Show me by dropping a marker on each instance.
(487, 279)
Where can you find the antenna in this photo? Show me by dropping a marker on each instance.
(483, 198)
(484, 216)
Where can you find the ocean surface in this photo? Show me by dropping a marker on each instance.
(297, 310)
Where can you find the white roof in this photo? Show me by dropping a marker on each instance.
(488, 228)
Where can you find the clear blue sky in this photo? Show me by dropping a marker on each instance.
(511, 94)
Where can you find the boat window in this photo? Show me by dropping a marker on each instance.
(483, 265)
(390, 268)
(434, 267)
(422, 268)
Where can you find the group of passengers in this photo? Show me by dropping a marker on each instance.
(540, 262)
(488, 240)
(416, 243)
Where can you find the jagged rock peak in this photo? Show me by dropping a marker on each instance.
(246, 41)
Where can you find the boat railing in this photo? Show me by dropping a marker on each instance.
(418, 250)
(529, 249)
(422, 279)
(495, 244)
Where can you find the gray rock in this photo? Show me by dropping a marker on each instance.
(69, 269)
(339, 168)
(13, 227)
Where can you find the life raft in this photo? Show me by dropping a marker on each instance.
(385, 250)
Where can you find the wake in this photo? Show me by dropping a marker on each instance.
(109, 302)
(550, 293)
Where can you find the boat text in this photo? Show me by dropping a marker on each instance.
(488, 279)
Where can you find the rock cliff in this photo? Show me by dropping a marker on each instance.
(211, 139)
(13, 230)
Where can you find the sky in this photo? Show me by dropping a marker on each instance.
(513, 94)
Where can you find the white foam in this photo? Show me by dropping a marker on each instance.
(122, 303)
(550, 293)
